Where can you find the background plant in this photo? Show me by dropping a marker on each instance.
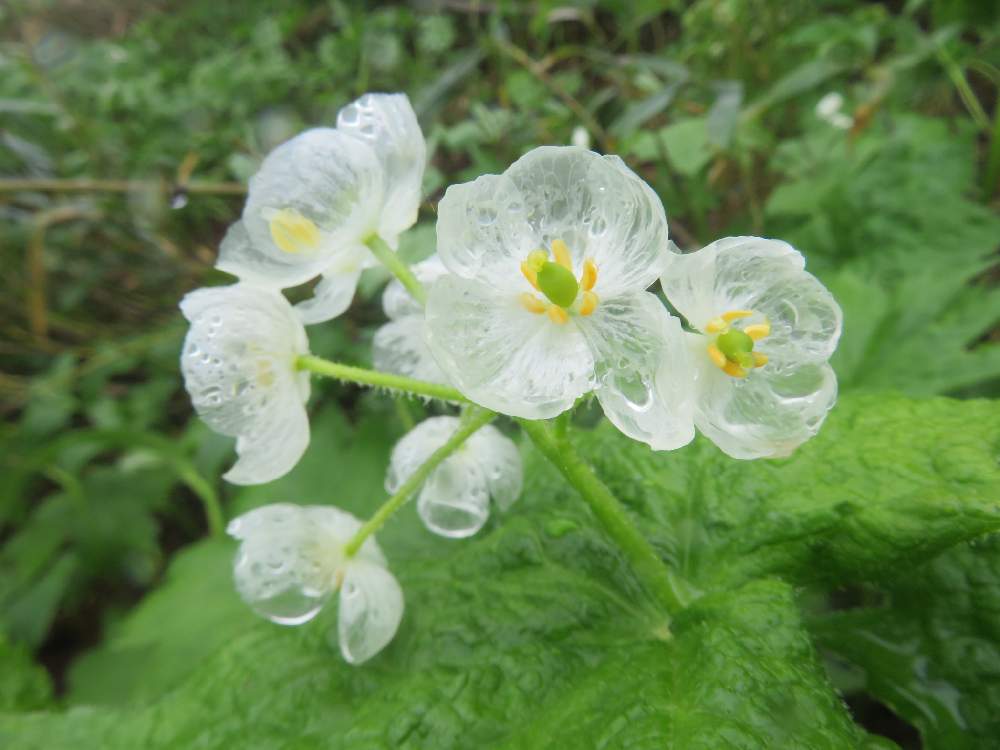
(714, 104)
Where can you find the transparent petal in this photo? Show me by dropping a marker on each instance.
(769, 413)
(238, 363)
(595, 204)
(388, 125)
(253, 265)
(415, 447)
(645, 381)
(400, 347)
(287, 563)
(766, 276)
(397, 302)
(331, 297)
(500, 462)
(371, 608)
(502, 356)
(454, 501)
(323, 176)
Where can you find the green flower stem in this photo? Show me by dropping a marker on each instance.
(471, 421)
(670, 592)
(361, 376)
(397, 266)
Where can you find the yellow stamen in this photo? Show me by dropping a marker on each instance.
(557, 314)
(293, 232)
(532, 304)
(717, 357)
(530, 274)
(716, 325)
(732, 315)
(589, 303)
(758, 331)
(759, 359)
(589, 276)
(536, 259)
(734, 369)
(561, 253)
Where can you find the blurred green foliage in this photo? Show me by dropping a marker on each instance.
(713, 102)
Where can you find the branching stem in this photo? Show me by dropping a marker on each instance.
(362, 376)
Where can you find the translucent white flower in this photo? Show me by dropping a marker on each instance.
(765, 329)
(545, 300)
(455, 498)
(238, 362)
(291, 560)
(829, 109)
(320, 196)
(400, 346)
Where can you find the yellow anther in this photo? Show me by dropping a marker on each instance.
(759, 359)
(589, 276)
(716, 325)
(293, 232)
(530, 274)
(532, 304)
(557, 314)
(536, 259)
(757, 331)
(734, 369)
(732, 315)
(717, 357)
(589, 303)
(562, 256)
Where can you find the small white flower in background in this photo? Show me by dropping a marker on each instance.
(318, 198)
(765, 329)
(291, 560)
(455, 498)
(829, 109)
(580, 137)
(238, 362)
(400, 346)
(545, 298)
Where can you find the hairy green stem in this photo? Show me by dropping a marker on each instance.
(398, 267)
(669, 591)
(362, 376)
(472, 421)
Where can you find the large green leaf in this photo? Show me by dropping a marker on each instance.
(538, 629)
(932, 652)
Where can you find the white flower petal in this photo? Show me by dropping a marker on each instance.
(238, 362)
(767, 414)
(502, 356)
(240, 257)
(643, 370)
(371, 608)
(286, 566)
(322, 176)
(397, 301)
(387, 123)
(766, 276)
(454, 501)
(400, 347)
(331, 297)
(595, 204)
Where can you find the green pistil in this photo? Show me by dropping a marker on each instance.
(737, 346)
(558, 284)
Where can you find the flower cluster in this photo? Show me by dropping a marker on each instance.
(539, 294)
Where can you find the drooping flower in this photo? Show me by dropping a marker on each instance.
(319, 197)
(291, 560)
(545, 300)
(764, 330)
(238, 362)
(400, 346)
(455, 498)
